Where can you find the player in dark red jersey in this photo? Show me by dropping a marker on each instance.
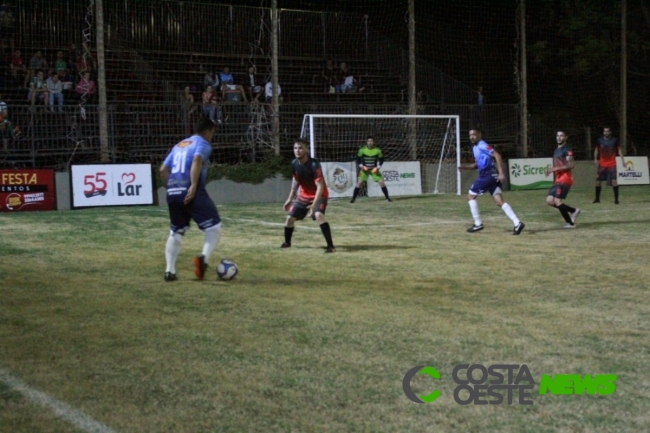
(562, 165)
(607, 148)
(308, 196)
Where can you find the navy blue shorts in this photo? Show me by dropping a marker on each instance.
(486, 184)
(299, 210)
(607, 174)
(202, 210)
(559, 190)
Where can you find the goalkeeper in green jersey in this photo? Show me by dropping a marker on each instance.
(370, 160)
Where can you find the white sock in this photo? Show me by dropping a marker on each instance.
(210, 241)
(171, 251)
(511, 214)
(473, 207)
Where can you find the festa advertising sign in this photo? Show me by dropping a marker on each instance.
(635, 171)
(111, 185)
(27, 190)
(401, 178)
(340, 178)
(529, 173)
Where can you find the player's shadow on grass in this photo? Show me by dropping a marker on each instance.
(374, 247)
(593, 224)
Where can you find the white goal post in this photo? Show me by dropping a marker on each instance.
(421, 152)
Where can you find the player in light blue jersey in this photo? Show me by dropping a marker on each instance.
(184, 173)
(489, 180)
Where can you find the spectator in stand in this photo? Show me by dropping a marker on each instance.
(38, 89)
(55, 89)
(18, 66)
(187, 101)
(228, 83)
(60, 65)
(211, 105)
(253, 84)
(268, 92)
(87, 87)
(35, 63)
(330, 76)
(348, 81)
(211, 79)
(3, 107)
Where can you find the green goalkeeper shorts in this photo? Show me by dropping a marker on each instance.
(364, 175)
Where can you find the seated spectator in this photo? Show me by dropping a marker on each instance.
(349, 83)
(211, 105)
(210, 79)
(228, 84)
(38, 89)
(61, 66)
(18, 66)
(330, 76)
(35, 63)
(55, 89)
(268, 92)
(253, 84)
(187, 101)
(86, 87)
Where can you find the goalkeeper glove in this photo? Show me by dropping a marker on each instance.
(375, 170)
(364, 168)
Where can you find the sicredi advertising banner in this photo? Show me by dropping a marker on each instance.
(340, 178)
(401, 178)
(27, 190)
(635, 171)
(529, 173)
(111, 185)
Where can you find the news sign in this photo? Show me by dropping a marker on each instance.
(111, 185)
(401, 178)
(27, 190)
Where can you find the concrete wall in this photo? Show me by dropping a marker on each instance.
(276, 190)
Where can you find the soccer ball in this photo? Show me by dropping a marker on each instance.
(227, 269)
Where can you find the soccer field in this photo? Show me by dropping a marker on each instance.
(303, 341)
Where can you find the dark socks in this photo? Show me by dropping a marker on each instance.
(385, 191)
(327, 233)
(355, 193)
(288, 233)
(565, 213)
(598, 189)
(616, 194)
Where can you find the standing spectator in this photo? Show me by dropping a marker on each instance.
(605, 153)
(478, 109)
(18, 66)
(228, 83)
(35, 63)
(55, 89)
(86, 87)
(253, 84)
(268, 92)
(187, 101)
(38, 89)
(211, 106)
(562, 180)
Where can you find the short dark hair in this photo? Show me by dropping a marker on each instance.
(477, 129)
(607, 127)
(369, 137)
(302, 141)
(204, 124)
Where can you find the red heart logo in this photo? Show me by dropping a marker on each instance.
(130, 176)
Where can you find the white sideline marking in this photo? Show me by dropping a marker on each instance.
(61, 409)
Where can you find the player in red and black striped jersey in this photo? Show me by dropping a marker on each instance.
(308, 196)
(607, 148)
(561, 169)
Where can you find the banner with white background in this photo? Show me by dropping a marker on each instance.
(401, 178)
(111, 185)
(635, 171)
(528, 173)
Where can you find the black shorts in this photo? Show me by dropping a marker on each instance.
(559, 190)
(299, 210)
(607, 174)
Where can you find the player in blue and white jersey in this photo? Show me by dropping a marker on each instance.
(184, 173)
(489, 180)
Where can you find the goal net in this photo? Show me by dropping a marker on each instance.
(421, 152)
